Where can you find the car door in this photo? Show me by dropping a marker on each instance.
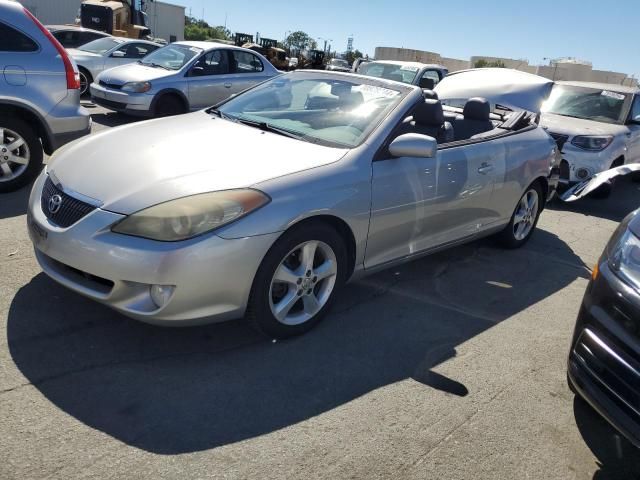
(421, 203)
(209, 79)
(633, 123)
(248, 70)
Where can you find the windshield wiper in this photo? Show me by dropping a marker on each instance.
(151, 64)
(267, 127)
(221, 114)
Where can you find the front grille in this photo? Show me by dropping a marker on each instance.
(617, 373)
(112, 86)
(70, 211)
(559, 138)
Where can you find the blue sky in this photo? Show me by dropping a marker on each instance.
(605, 33)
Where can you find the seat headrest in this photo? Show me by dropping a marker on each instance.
(429, 94)
(429, 113)
(477, 108)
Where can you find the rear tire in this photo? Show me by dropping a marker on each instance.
(524, 219)
(85, 81)
(27, 155)
(297, 281)
(169, 105)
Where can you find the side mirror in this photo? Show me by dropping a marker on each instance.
(118, 54)
(196, 71)
(414, 145)
(427, 83)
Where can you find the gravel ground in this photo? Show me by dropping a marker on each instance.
(452, 366)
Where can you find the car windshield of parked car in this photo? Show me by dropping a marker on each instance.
(313, 107)
(399, 73)
(101, 45)
(171, 57)
(336, 62)
(588, 103)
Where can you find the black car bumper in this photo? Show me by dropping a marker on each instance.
(604, 362)
(120, 107)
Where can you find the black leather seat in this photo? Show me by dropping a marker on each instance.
(428, 119)
(474, 119)
(429, 94)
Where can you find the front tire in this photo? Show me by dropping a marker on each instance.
(20, 154)
(297, 281)
(524, 219)
(168, 106)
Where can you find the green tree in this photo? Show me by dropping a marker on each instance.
(351, 56)
(195, 29)
(483, 63)
(300, 40)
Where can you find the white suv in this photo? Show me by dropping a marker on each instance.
(596, 127)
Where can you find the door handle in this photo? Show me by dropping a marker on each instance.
(485, 168)
(227, 85)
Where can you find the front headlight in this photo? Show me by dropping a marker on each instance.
(624, 260)
(592, 142)
(188, 217)
(136, 87)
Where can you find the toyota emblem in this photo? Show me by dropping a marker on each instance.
(55, 202)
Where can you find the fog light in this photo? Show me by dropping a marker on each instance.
(583, 173)
(161, 294)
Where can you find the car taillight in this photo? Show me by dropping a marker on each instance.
(73, 77)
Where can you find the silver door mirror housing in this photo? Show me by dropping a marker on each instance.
(118, 54)
(414, 145)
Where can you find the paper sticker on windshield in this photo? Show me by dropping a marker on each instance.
(408, 68)
(378, 92)
(617, 96)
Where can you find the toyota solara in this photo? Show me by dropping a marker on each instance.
(266, 204)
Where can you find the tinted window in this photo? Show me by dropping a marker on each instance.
(635, 109)
(11, 40)
(215, 62)
(246, 62)
(67, 39)
(137, 50)
(433, 75)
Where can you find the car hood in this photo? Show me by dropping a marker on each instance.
(134, 72)
(578, 126)
(76, 54)
(501, 86)
(133, 167)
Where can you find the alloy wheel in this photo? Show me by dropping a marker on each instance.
(14, 155)
(303, 282)
(525, 217)
(84, 84)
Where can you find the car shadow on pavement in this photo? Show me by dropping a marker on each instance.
(172, 391)
(617, 457)
(14, 204)
(623, 200)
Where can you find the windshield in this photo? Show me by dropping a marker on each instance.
(314, 107)
(588, 103)
(399, 73)
(339, 63)
(171, 57)
(101, 45)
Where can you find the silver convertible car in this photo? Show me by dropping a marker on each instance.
(265, 205)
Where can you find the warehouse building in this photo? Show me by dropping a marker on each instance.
(165, 19)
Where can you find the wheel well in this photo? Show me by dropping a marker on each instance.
(618, 161)
(343, 230)
(32, 119)
(171, 93)
(544, 185)
(87, 72)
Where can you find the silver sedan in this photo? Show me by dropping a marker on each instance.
(266, 205)
(105, 53)
(181, 77)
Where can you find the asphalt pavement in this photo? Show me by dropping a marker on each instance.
(452, 366)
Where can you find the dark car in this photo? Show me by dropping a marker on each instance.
(71, 36)
(604, 362)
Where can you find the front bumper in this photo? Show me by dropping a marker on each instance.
(212, 276)
(582, 164)
(125, 102)
(604, 362)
